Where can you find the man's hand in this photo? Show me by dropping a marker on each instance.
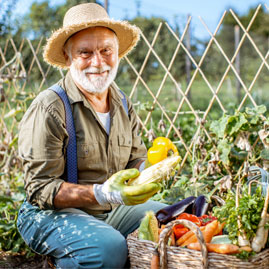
(116, 191)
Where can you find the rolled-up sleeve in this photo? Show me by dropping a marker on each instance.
(42, 137)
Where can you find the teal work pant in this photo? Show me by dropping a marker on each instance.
(77, 240)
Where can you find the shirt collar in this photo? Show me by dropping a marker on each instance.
(115, 94)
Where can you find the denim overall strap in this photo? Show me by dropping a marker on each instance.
(71, 158)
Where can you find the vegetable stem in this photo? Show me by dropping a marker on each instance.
(242, 237)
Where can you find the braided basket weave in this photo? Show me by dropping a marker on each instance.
(140, 253)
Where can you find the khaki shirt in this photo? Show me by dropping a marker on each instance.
(43, 140)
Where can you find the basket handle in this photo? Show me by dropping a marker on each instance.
(165, 234)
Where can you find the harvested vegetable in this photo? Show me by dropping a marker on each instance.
(156, 173)
(219, 229)
(168, 213)
(188, 238)
(208, 233)
(250, 209)
(217, 248)
(155, 260)
(260, 238)
(248, 249)
(221, 239)
(160, 150)
(156, 154)
(189, 217)
(148, 229)
(179, 229)
(205, 219)
(200, 206)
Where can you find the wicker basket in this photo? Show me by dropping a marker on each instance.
(140, 253)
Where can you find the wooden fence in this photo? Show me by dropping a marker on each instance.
(162, 103)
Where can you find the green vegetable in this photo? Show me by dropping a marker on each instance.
(148, 229)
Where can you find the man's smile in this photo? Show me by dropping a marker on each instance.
(101, 74)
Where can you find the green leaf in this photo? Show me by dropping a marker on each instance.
(256, 110)
(218, 127)
(18, 244)
(225, 148)
(235, 123)
(255, 113)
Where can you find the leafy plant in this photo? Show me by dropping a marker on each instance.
(10, 202)
(182, 188)
(217, 163)
(10, 238)
(249, 210)
(235, 143)
(235, 132)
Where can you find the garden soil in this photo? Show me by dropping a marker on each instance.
(17, 261)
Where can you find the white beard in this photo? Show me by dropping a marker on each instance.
(94, 84)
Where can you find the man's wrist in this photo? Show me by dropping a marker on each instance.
(103, 196)
(99, 195)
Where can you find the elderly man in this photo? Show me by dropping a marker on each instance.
(79, 211)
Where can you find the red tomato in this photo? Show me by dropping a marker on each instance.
(179, 231)
(190, 217)
(205, 219)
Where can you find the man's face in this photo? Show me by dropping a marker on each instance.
(93, 58)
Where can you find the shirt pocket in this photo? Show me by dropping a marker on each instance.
(88, 154)
(125, 146)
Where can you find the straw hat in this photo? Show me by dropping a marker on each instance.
(84, 16)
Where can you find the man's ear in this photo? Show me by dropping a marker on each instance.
(67, 58)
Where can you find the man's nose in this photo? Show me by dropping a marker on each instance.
(96, 59)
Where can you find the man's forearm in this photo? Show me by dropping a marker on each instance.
(74, 195)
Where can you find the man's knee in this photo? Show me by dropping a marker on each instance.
(109, 250)
(114, 251)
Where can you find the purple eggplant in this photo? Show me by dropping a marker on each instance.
(200, 206)
(167, 213)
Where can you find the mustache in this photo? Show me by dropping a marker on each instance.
(96, 70)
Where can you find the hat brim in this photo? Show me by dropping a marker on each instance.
(127, 34)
